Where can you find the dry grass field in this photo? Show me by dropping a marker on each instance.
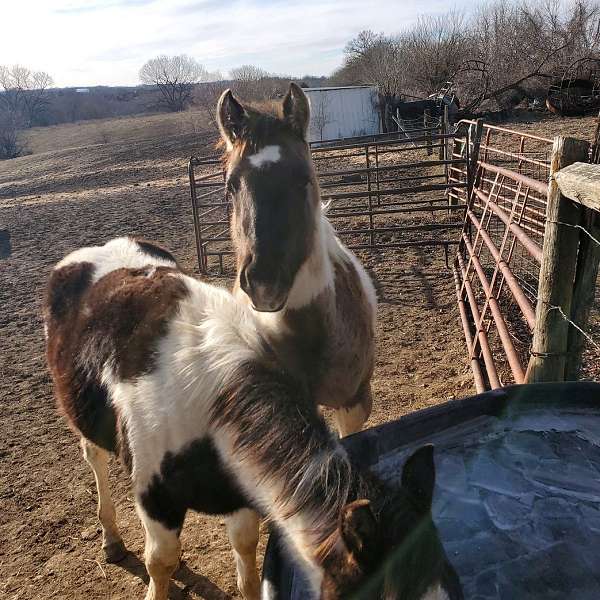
(74, 191)
(114, 131)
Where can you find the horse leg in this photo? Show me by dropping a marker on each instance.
(112, 544)
(161, 553)
(242, 528)
(351, 419)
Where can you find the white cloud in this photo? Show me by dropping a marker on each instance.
(91, 42)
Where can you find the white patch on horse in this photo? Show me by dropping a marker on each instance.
(119, 253)
(266, 155)
(435, 592)
(316, 273)
(267, 591)
(206, 342)
(298, 530)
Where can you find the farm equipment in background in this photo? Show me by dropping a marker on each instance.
(578, 91)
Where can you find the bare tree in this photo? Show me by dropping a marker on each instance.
(373, 58)
(24, 92)
(175, 77)
(206, 96)
(254, 83)
(320, 116)
(433, 49)
(521, 43)
(11, 145)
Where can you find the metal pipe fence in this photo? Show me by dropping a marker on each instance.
(486, 193)
(498, 259)
(371, 186)
(502, 248)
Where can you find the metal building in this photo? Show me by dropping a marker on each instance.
(343, 112)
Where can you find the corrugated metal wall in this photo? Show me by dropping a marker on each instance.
(342, 112)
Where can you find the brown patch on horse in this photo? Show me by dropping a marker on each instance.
(119, 320)
(122, 447)
(354, 309)
(132, 308)
(320, 342)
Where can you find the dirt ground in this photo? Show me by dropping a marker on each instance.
(54, 202)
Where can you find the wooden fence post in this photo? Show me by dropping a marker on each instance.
(473, 156)
(426, 124)
(595, 158)
(583, 291)
(444, 129)
(580, 182)
(557, 271)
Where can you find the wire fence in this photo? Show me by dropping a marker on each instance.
(497, 268)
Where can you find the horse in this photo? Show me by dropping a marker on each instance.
(175, 377)
(315, 300)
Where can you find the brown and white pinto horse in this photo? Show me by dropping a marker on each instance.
(313, 297)
(174, 376)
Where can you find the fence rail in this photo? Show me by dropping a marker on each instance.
(367, 182)
(513, 261)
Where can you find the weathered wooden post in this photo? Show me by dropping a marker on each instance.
(580, 183)
(595, 158)
(475, 142)
(426, 124)
(557, 270)
(444, 129)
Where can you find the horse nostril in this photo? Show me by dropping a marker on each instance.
(245, 274)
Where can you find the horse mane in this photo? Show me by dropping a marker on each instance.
(262, 409)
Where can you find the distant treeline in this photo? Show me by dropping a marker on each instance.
(520, 47)
(68, 105)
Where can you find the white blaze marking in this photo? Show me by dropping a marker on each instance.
(268, 154)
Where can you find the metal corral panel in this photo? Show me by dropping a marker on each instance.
(342, 112)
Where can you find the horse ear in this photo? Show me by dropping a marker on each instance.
(296, 110)
(418, 477)
(231, 118)
(359, 527)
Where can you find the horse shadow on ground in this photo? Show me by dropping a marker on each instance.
(401, 287)
(193, 585)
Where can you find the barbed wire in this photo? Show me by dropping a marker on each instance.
(596, 241)
(583, 333)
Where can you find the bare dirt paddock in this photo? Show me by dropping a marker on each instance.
(54, 202)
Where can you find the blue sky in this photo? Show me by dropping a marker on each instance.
(105, 42)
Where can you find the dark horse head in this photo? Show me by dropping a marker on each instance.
(391, 548)
(273, 188)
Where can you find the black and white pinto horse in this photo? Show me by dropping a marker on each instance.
(313, 298)
(176, 377)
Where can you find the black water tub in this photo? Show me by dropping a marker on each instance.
(517, 498)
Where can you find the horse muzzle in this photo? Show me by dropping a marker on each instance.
(267, 294)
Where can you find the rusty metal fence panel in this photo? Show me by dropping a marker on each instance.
(496, 268)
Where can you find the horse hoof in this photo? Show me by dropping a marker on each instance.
(115, 552)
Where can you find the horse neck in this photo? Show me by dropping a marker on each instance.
(316, 276)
